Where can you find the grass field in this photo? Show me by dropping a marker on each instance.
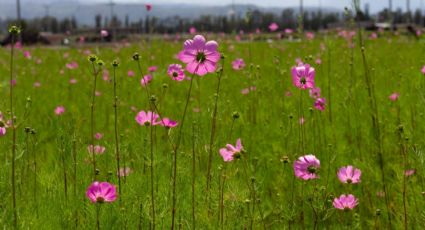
(259, 104)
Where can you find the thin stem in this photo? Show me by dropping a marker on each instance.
(15, 215)
(212, 134)
(174, 196)
(193, 176)
(97, 216)
(92, 106)
(152, 171)
(117, 148)
(223, 176)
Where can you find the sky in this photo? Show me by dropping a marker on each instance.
(375, 5)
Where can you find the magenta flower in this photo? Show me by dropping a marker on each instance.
(309, 35)
(147, 118)
(315, 92)
(98, 149)
(349, 175)
(192, 30)
(273, 26)
(3, 125)
(152, 68)
(306, 167)
(27, 54)
(100, 192)
(168, 123)
(230, 152)
(2, 130)
(130, 73)
(200, 56)
(318, 61)
(238, 64)
(288, 31)
(59, 110)
(409, 172)
(423, 70)
(145, 80)
(98, 136)
(72, 65)
(104, 33)
(176, 72)
(148, 7)
(320, 103)
(345, 202)
(394, 96)
(37, 84)
(303, 76)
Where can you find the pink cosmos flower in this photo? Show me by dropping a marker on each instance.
(148, 7)
(423, 70)
(130, 73)
(100, 192)
(72, 65)
(98, 149)
(59, 110)
(200, 56)
(318, 61)
(2, 131)
(176, 72)
(27, 54)
(303, 76)
(373, 36)
(18, 45)
(147, 118)
(168, 123)
(3, 125)
(345, 202)
(301, 120)
(37, 84)
(320, 103)
(315, 92)
(306, 167)
(288, 31)
(238, 64)
(309, 35)
(152, 68)
(192, 30)
(13, 82)
(273, 26)
(394, 96)
(245, 91)
(409, 172)
(72, 81)
(349, 175)
(98, 136)
(145, 80)
(123, 172)
(230, 152)
(104, 33)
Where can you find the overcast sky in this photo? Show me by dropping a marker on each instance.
(375, 5)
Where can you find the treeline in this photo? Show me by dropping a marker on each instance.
(251, 21)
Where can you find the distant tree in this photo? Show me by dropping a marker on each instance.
(98, 21)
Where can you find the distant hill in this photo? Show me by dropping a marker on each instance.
(85, 12)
